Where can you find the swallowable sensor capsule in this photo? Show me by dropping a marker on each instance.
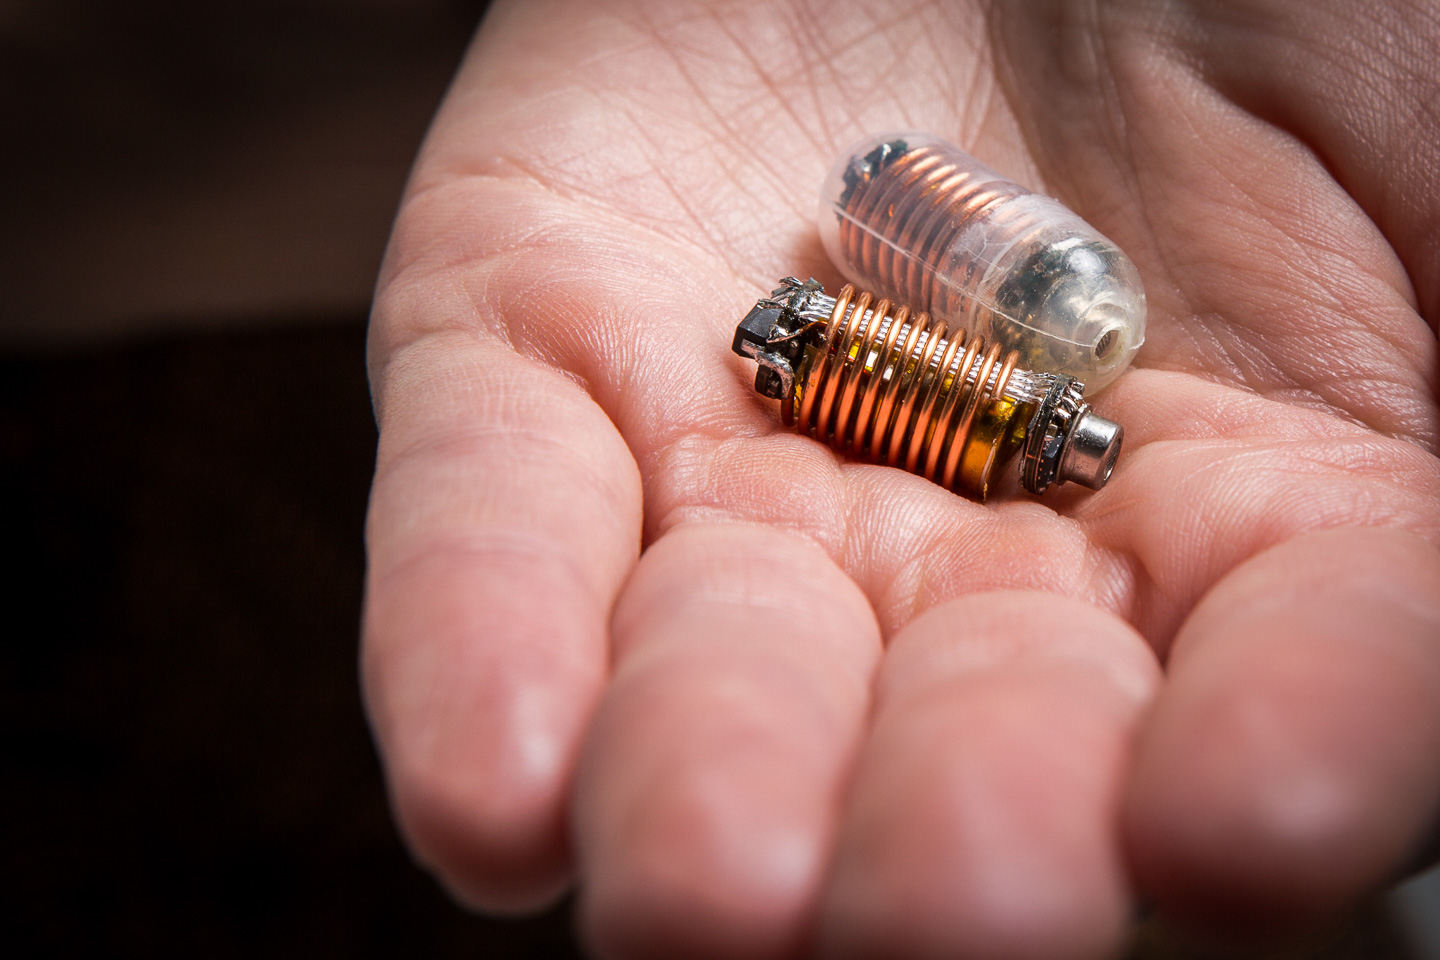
(874, 380)
(918, 220)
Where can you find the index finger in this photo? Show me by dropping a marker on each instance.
(504, 515)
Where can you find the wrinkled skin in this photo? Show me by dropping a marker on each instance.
(623, 630)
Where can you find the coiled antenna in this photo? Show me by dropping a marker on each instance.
(875, 380)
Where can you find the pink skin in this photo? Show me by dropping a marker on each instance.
(832, 707)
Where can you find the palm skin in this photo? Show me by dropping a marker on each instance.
(759, 700)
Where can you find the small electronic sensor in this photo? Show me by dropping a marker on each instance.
(915, 219)
(874, 380)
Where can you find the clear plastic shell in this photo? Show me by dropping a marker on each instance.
(920, 221)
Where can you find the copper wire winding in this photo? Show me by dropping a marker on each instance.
(896, 388)
(919, 202)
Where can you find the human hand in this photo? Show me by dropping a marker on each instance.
(832, 705)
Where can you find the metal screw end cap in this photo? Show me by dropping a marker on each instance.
(1092, 446)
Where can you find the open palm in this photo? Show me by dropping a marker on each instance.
(761, 700)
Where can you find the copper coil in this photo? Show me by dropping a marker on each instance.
(895, 388)
(918, 203)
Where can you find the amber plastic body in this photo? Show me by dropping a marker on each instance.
(922, 222)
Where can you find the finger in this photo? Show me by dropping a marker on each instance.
(981, 818)
(708, 793)
(505, 513)
(1294, 758)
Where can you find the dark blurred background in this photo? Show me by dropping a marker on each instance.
(220, 163)
(195, 200)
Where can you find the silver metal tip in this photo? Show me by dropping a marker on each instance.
(1091, 448)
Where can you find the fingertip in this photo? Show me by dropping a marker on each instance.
(707, 797)
(1015, 887)
(981, 817)
(1226, 850)
(1290, 765)
(481, 667)
(499, 851)
(995, 930)
(660, 906)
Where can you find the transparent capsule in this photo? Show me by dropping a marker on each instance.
(919, 220)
